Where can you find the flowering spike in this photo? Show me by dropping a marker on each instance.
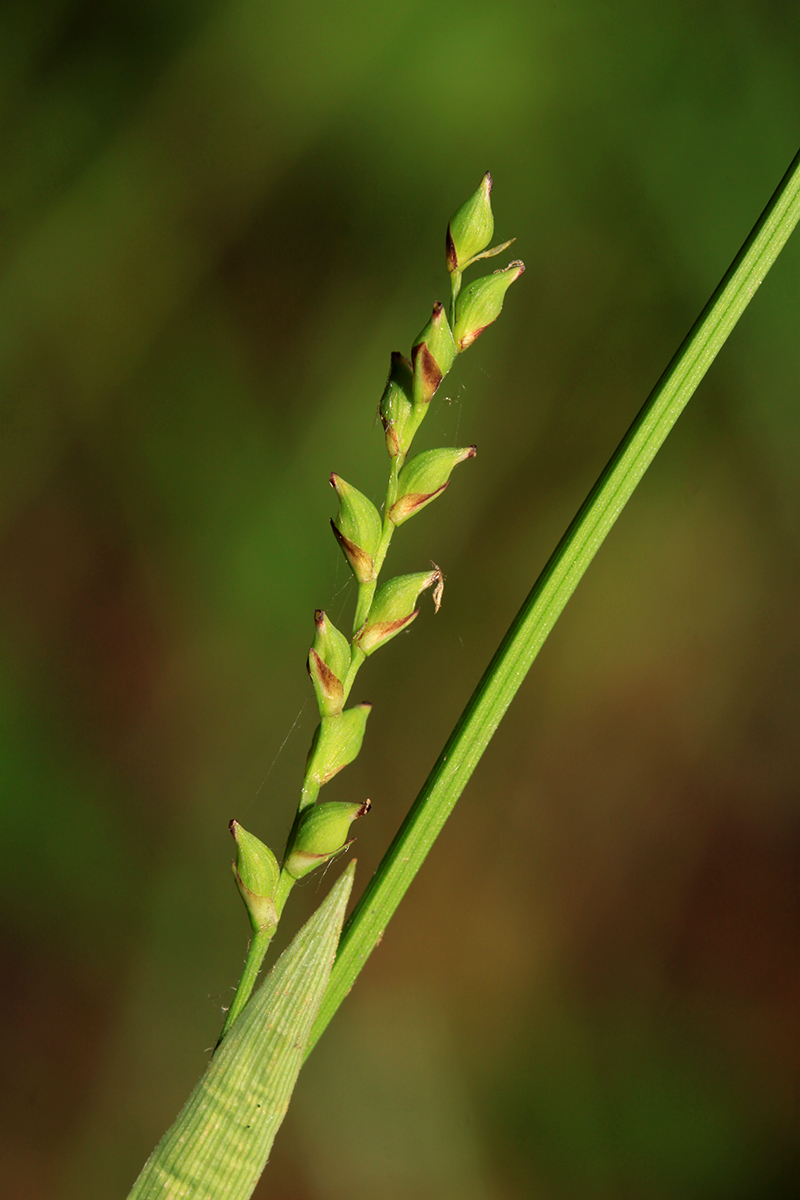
(364, 535)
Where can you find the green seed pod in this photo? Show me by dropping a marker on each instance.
(393, 608)
(358, 531)
(328, 663)
(396, 407)
(471, 228)
(322, 831)
(256, 872)
(481, 303)
(337, 741)
(432, 356)
(423, 478)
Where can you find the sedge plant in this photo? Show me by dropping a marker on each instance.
(221, 1139)
(320, 827)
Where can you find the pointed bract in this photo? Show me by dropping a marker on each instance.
(256, 872)
(432, 356)
(471, 228)
(361, 563)
(322, 831)
(396, 406)
(331, 645)
(423, 478)
(412, 503)
(328, 688)
(337, 741)
(328, 663)
(358, 529)
(393, 608)
(481, 303)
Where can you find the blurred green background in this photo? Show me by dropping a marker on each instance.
(218, 219)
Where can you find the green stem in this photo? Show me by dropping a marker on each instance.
(259, 944)
(386, 538)
(357, 658)
(366, 592)
(455, 288)
(256, 951)
(308, 795)
(553, 589)
(391, 487)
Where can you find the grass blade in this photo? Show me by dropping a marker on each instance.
(554, 587)
(221, 1139)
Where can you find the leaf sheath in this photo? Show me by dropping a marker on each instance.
(220, 1141)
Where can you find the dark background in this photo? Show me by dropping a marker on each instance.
(217, 221)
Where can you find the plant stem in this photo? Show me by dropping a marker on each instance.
(308, 796)
(358, 657)
(455, 288)
(553, 589)
(256, 951)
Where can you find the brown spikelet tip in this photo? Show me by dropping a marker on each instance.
(331, 685)
(365, 807)
(450, 249)
(343, 541)
(429, 368)
(471, 337)
(438, 590)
